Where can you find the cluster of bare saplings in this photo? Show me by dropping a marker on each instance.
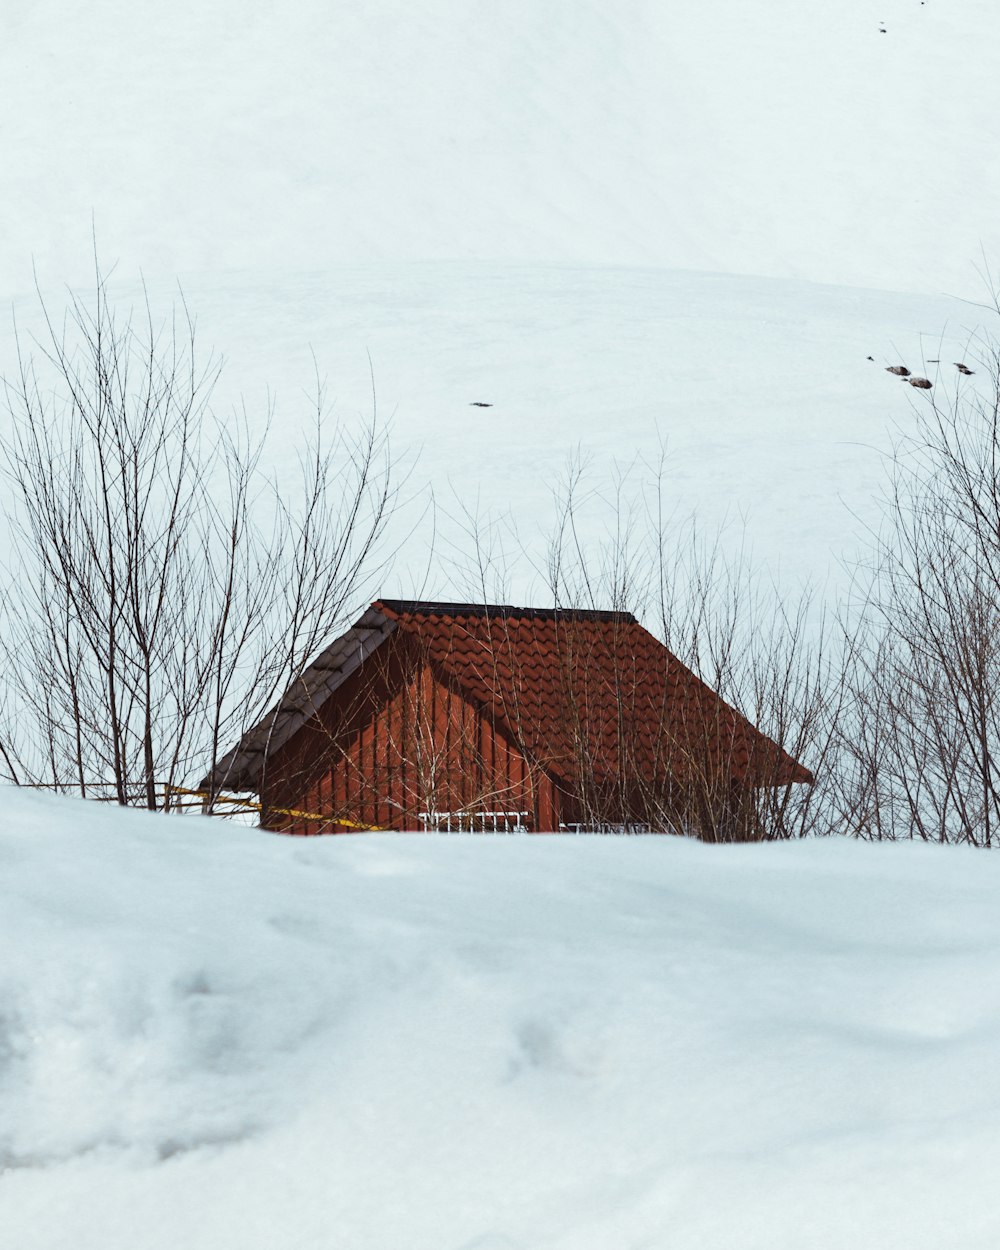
(165, 590)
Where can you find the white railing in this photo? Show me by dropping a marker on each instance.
(474, 822)
(618, 830)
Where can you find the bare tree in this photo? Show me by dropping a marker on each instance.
(164, 589)
(772, 657)
(924, 742)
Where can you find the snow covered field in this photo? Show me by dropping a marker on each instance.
(691, 221)
(777, 139)
(761, 392)
(221, 1039)
(621, 225)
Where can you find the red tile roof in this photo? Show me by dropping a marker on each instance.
(590, 691)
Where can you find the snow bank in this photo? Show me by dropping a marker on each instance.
(215, 1038)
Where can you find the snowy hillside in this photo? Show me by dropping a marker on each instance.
(775, 139)
(221, 1039)
(540, 207)
(761, 391)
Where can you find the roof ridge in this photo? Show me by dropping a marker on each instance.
(432, 607)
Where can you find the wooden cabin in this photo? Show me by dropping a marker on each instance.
(443, 716)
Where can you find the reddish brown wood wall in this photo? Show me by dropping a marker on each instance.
(394, 741)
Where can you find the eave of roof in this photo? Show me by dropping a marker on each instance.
(240, 769)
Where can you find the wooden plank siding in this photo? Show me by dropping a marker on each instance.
(397, 740)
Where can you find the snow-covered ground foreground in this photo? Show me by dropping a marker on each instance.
(222, 1040)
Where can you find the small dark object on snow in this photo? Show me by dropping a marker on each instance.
(478, 403)
(964, 369)
(869, 357)
(924, 384)
(900, 371)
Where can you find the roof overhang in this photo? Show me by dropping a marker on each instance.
(242, 768)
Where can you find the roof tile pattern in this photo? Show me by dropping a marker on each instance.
(590, 693)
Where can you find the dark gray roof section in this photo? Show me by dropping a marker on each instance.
(423, 607)
(241, 768)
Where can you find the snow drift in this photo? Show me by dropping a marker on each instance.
(217, 1038)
